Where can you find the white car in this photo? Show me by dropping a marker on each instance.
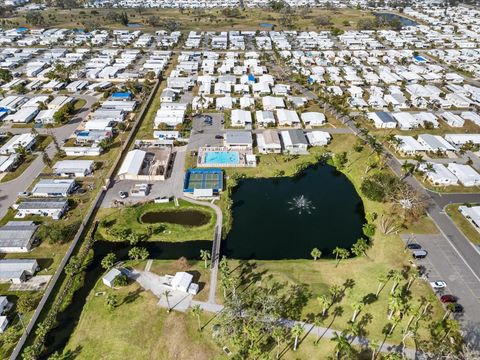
(438, 284)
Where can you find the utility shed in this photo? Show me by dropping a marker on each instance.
(110, 277)
(17, 236)
(75, 168)
(17, 270)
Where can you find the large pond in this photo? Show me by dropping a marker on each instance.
(285, 218)
(181, 217)
(403, 20)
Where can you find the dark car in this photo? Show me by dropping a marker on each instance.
(457, 308)
(218, 137)
(448, 299)
(414, 246)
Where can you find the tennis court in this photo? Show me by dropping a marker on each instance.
(203, 179)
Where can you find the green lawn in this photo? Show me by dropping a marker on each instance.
(463, 224)
(129, 218)
(137, 329)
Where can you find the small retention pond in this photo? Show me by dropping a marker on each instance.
(181, 217)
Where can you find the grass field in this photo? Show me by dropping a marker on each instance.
(129, 218)
(200, 20)
(139, 329)
(463, 224)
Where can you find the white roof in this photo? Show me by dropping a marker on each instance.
(132, 163)
(313, 117)
(182, 280)
(409, 144)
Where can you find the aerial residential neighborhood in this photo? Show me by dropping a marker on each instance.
(243, 179)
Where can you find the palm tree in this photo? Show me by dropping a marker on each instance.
(419, 159)
(205, 256)
(413, 276)
(111, 301)
(297, 331)
(340, 254)
(360, 247)
(197, 311)
(396, 277)
(324, 301)
(167, 293)
(429, 169)
(357, 307)
(394, 304)
(318, 322)
(342, 347)
(316, 253)
(382, 280)
(279, 334)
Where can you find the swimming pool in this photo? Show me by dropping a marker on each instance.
(221, 157)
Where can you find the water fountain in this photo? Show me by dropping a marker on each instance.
(301, 204)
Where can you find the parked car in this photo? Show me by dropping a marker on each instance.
(218, 137)
(414, 246)
(24, 194)
(448, 299)
(161, 200)
(419, 254)
(123, 194)
(457, 308)
(439, 284)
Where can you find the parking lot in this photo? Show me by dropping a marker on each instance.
(444, 263)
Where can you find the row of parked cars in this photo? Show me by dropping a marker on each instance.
(449, 300)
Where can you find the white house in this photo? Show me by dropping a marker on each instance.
(17, 271)
(294, 141)
(17, 236)
(318, 138)
(452, 120)
(241, 118)
(264, 118)
(472, 214)
(382, 120)
(25, 141)
(313, 118)
(75, 168)
(408, 145)
(287, 117)
(268, 141)
(465, 173)
(439, 175)
(435, 143)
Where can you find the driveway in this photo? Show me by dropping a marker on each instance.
(177, 300)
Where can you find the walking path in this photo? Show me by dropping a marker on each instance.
(217, 239)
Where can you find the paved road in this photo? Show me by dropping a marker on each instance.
(443, 263)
